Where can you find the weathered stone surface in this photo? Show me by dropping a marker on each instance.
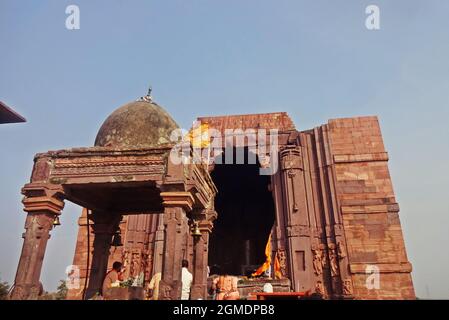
(135, 125)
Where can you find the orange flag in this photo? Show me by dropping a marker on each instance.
(199, 136)
(277, 268)
(267, 262)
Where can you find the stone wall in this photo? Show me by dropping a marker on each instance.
(369, 209)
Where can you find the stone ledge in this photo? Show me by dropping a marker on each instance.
(402, 267)
(362, 157)
(178, 199)
(381, 208)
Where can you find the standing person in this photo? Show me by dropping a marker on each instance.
(112, 277)
(153, 287)
(186, 280)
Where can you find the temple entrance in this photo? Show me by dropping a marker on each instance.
(246, 215)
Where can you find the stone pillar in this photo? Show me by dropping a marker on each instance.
(158, 250)
(176, 205)
(201, 254)
(83, 254)
(297, 219)
(104, 227)
(43, 205)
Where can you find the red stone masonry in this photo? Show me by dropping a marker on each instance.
(334, 202)
(369, 209)
(275, 120)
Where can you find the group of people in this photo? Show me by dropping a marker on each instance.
(221, 287)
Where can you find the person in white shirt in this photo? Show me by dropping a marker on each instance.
(186, 280)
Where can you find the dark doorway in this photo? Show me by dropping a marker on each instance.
(245, 210)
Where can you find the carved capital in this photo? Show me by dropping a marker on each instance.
(291, 159)
(43, 198)
(39, 204)
(206, 226)
(178, 199)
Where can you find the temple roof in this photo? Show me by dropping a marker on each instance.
(137, 124)
(274, 120)
(7, 115)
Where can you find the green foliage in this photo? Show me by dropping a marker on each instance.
(127, 283)
(61, 294)
(4, 288)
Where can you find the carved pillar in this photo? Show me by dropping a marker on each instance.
(82, 255)
(43, 204)
(158, 250)
(104, 227)
(176, 205)
(201, 254)
(297, 218)
(340, 285)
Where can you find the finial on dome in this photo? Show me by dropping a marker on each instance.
(148, 97)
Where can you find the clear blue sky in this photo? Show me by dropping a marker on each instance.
(313, 59)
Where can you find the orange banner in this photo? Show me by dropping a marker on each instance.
(267, 262)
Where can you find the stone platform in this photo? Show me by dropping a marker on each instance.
(247, 286)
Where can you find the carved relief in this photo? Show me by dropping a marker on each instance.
(147, 262)
(333, 260)
(135, 265)
(135, 262)
(341, 250)
(125, 260)
(165, 291)
(318, 261)
(347, 287)
(282, 261)
(107, 166)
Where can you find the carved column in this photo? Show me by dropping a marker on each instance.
(176, 205)
(297, 218)
(340, 284)
(201, 254)
(104, 227)
(158, 245)
(43, 204)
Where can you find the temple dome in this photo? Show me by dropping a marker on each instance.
(138, 124)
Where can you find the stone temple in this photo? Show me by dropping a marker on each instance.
(329, 209)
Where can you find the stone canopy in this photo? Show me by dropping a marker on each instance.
(128, 171)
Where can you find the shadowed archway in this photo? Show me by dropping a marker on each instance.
(245, 208)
